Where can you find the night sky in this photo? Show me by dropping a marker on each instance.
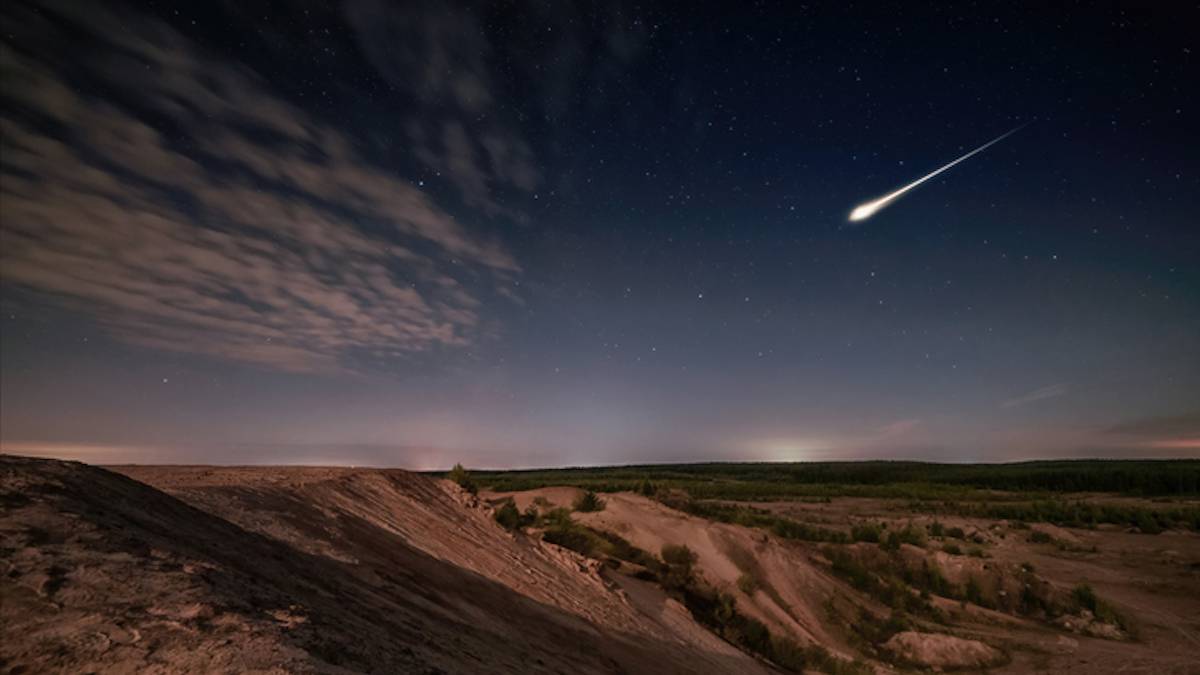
(564, 233)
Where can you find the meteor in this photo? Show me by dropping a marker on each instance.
(868, 209)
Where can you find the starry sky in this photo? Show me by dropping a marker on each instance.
(516, 234)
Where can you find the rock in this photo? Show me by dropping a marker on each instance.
(934, 650)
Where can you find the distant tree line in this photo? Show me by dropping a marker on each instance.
(877, 478)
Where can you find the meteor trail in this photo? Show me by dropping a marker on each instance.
(868, 209)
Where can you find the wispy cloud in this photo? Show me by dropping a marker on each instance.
(1040, 394)
(189, 209)
(437, 53)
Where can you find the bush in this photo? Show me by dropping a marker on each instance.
(1084, 597)
(936, 529)
(952, 549)
(678, 555)
(974, 592)
(868, 532)
(747, 584)
(956, 532)
(589, 502)
(1040, 537)
(679, 561)
(909, 535)
(508, 516)
(459, 475)
(646, 488)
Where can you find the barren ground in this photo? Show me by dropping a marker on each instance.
(295, 569)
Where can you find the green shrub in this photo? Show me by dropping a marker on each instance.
(908, 535)
(678, 555)
(747, 584)
(868, 532)
(956, 532)
(459, 475)
(974, 592)
(936, 529)
(952, 549)
(576, 540)
(1040, 537)
(679, 561)
(589, 502)
(508, 516)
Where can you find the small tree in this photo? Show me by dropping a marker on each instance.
(679, 560)
(508, 516)
(459, 475)
(646, 488)
(589, 502)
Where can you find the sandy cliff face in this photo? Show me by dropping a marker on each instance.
(308, 570)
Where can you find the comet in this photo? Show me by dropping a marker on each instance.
(868, 209)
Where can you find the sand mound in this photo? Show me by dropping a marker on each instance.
(933, 650)
(789, 591)
(306, 570)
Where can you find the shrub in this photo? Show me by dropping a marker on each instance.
(1040, 537)
(459, 475)
(578, 540)
(974, 592)
(976, 552)
(956, 532)
(589, 502)
(868, 532)
(678, 555)
(646, 488)
(936, 529)
(508, 516)
(679, 561)
(909, 535)
(952, 549)
(1085, 598)
(747, 584)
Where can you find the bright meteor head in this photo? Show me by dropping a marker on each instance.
(863, 211)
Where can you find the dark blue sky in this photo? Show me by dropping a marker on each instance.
(514, 234)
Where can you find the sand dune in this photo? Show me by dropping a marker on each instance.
(307, 570)
(335, 570)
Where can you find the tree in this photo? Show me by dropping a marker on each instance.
(589, 502)
(459, 475)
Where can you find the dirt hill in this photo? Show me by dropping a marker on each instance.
(197, 569)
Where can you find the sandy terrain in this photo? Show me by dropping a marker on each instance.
(298, 569)
(307, 570)
(1152, 579)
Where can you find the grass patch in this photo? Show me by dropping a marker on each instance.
(747, 516)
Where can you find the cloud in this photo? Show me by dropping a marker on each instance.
(174, 198)
(437, 53)
(897, 428)
(1041, 394)
(474, 101)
